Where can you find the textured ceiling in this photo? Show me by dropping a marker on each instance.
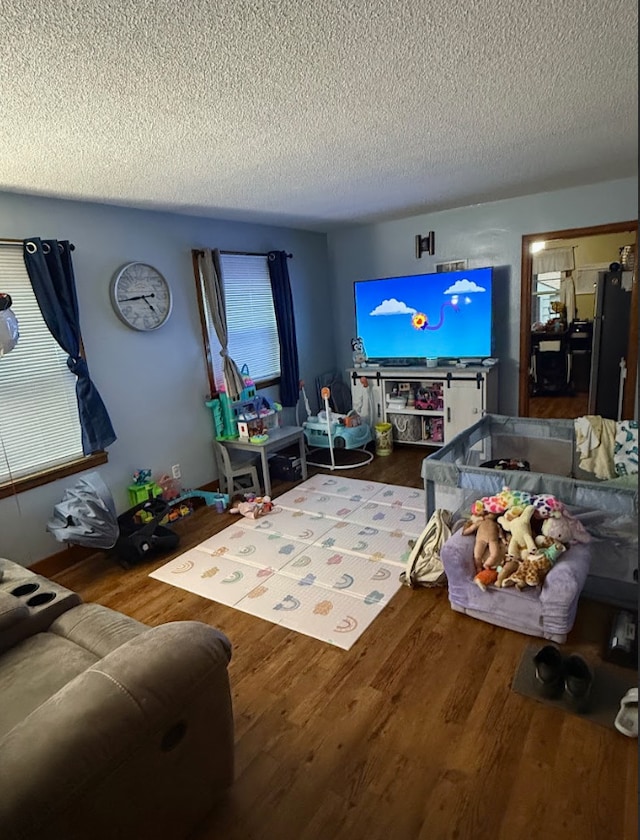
(315, 114)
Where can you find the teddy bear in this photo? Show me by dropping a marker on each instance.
(534, 568)
(517, 522)
(489, 548)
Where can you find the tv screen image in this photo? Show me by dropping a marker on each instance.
(445, 315)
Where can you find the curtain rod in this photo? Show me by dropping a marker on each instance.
(12, 243)
(241, 253)
(249, 254)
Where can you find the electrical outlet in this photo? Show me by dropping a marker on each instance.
(176, 472)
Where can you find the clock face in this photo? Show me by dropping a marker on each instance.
(141, 296)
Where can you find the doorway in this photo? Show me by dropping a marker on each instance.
(559, 312)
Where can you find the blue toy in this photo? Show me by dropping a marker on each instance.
(211, 498)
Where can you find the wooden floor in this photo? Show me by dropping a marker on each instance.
(413, 734)
(560, 406)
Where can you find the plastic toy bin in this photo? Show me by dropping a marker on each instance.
(453, 479)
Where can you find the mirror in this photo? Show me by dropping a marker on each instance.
(577, 321)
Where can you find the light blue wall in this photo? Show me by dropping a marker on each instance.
(154, 385)
(484, 234)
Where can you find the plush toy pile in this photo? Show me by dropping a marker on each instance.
(519, 536)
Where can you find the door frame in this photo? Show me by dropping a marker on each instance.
(526, 292)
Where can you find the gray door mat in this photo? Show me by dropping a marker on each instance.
(610, 684)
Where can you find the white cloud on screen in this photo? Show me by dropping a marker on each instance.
(464, 286)
(393, 307)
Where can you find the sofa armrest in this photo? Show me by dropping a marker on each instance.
(11, 610)
(97, 629)
(144, 734)
(566, 579)
(457, 558)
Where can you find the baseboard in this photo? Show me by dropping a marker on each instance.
(73, 554)
(56, 563)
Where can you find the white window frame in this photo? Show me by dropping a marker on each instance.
(40, 434)
(546, 291)
(251, 322)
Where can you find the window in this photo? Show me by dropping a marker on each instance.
(40, 437)
(547, 290)
(251, 319)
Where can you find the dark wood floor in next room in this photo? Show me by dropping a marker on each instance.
(413, 734)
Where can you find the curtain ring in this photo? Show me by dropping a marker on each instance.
(31, 247)
(61, 247)
(46, 248)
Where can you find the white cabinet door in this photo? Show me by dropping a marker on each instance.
(367, 397)
(464, 405)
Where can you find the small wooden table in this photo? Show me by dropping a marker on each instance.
(278, 439)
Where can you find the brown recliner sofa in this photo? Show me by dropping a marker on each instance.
(108, 728)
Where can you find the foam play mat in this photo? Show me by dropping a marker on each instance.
(324, 562)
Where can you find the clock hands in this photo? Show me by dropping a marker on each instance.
(138, 297)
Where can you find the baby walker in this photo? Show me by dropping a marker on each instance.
(335, 431)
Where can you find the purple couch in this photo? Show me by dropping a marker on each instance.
(547, 611)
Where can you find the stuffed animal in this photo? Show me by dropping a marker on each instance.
(517, 522)
(253, 509)
(485, 577)
(514, 498)
(489, 548)
(509, 567)
(565, 528)
(546, 505)
(501, 502)
(488, 504)
(534, 568)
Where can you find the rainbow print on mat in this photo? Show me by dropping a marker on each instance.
(325, 562)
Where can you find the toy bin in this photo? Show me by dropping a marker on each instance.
(406, 428)
(453, 479)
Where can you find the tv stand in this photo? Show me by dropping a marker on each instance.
(439, 402)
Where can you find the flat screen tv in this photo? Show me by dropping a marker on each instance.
(445, 315)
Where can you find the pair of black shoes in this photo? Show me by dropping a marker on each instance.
(555, 675)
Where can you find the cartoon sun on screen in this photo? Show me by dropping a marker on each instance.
(419, 321)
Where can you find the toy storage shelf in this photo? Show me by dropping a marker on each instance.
(429, 406)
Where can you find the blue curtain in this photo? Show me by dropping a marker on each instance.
(50, 270)
(283, 305)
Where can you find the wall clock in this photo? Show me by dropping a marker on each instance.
(141, 296)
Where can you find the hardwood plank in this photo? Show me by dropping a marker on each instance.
(559, 406)
(413, 734)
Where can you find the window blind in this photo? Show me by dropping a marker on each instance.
(251, 318)
(39, 424)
